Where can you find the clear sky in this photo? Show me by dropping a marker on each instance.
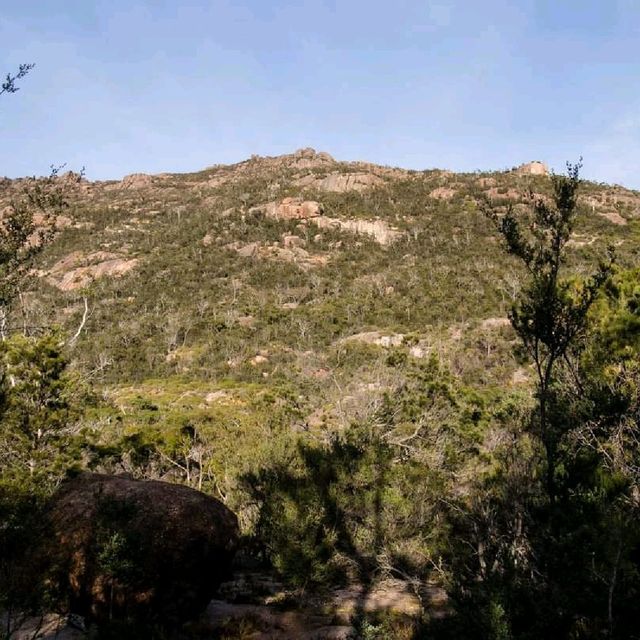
(126, 86)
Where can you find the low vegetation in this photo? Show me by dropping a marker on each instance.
(456, 407)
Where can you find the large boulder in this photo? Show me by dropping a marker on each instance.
(292, 209)
(143, 551)
(535, 168)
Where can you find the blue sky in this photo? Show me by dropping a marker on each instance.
(123, 86)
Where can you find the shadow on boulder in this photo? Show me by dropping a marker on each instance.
(143, 552)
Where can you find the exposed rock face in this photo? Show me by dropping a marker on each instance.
(310, 159)
(379, 230)
(292, 209)
(341, 182)
(377, 338)
(443, 193)
(136, 181)
(291, 253)
(534, 168)
(78, 270)
(137, 550)
(613, 216)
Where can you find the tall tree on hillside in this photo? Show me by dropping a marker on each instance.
(29, 221)
(551, 312)
(36, 416)
(581, 529)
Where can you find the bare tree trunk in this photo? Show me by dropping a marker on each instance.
(82, 322)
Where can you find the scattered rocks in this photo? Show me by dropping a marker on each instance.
(294, 254)
(390, 596)
(580, 240)
(216, 397)
(259, 603)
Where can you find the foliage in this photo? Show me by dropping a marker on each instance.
(27, 227)
(550, 315)
(9, 84)
(365, 417)
(363, 503)
(571, 563)
(39, 411)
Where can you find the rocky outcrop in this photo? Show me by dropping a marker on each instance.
(291, 209)
(613, 217)
(293, 241)
(495, 323)
(299, 209)
(285, 615)
(535, 168)
(341, 182)
(379, 230)
(291, 253)
(136, 181)
(78, 270)
(309, 158)
(139, 551)
(443, 193)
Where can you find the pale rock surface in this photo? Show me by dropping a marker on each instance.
(341, 182)
(442, 193)
(380, 230)
(535, 168)
(377, 338)
(291, 209)
(293, 241)
(296, 255)
(495, 323)
(136, 181)
(78, 270)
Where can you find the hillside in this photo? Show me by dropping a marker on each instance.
(322, 345)
(209, 276)
(314, 281)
